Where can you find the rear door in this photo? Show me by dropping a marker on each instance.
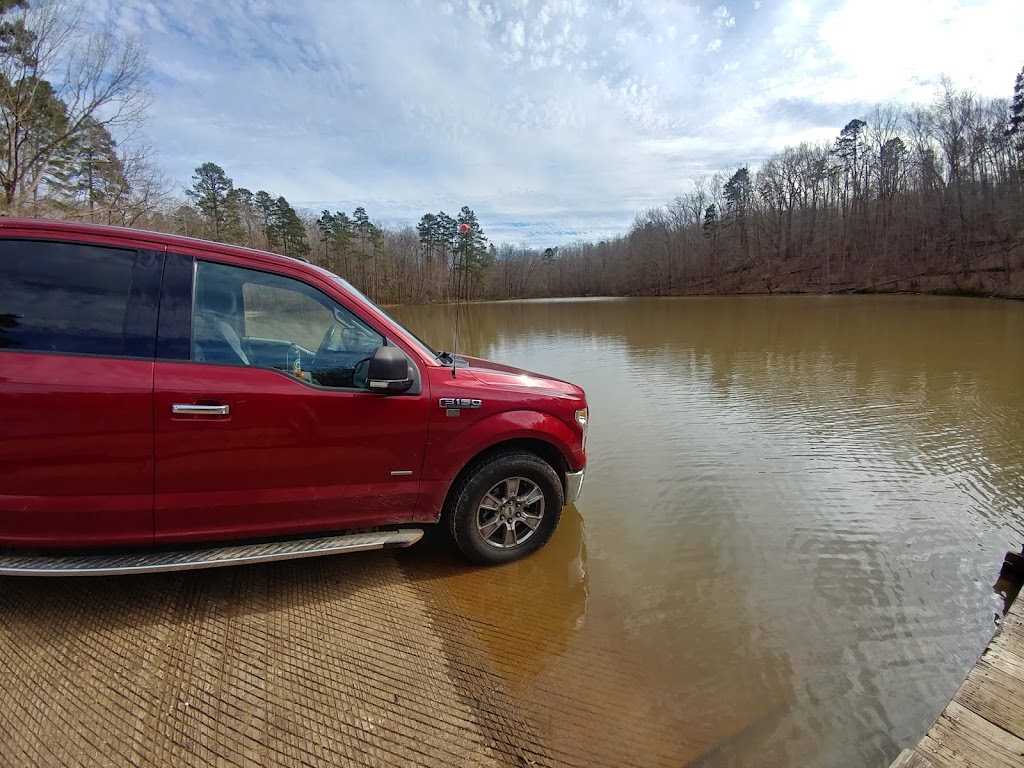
(267, 427)
(77, 338)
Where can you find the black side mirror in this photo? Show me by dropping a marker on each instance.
(388, 371)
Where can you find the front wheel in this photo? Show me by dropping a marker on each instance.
(506, 508)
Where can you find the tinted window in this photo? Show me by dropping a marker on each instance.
(246, 317)
(174, 336)
(62, 297)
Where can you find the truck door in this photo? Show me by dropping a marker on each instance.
(267, 428)
(77, 338)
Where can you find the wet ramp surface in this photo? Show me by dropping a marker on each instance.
(314, 663)
(365, 659)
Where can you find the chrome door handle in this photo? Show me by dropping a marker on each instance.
(186, 409)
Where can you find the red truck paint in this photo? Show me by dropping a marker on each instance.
(91, 456)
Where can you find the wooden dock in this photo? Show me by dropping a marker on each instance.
(983, 725)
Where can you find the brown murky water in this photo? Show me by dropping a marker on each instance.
(794, 512)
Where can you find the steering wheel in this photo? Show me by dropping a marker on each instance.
(326, 341)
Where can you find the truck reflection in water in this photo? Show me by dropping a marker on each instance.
(519, 615)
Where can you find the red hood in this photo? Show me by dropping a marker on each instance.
(487, 372)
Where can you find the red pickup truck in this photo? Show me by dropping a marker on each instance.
(173, 403)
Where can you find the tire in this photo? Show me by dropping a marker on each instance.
(494, 511)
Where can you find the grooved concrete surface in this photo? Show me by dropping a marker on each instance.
(319, 662)
(376, 658)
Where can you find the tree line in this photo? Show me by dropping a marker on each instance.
(921, 197)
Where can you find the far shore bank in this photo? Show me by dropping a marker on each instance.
(976, 286)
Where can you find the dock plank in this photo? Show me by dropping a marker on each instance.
(1006, 659)
(995, 695)
(961, 738)
(910, 759)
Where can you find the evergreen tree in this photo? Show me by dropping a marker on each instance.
(739, 194)
(711, 221)
(264, 206)
(335, 231)
(88, 171)
(1015, 130)
(326, 224)
(247, 213)
(849, 150)
(361, 230)
(343, 238)
(289, 230)
(214, 195)
(447, 238)
(427, 229)
(739, 199)
(471, 252)
(49, 114)
(361, 225)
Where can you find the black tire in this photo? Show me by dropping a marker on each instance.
(469, 521)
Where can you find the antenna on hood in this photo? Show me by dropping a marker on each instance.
(461, 287)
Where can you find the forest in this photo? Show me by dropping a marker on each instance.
(921, 198)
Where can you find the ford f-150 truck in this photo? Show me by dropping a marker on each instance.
(171, 403)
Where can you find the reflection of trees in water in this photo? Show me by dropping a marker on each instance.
(901, 337)
(949, 358)
(523, 612)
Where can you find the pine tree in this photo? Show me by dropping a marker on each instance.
(1015, 130)
(264, 206)
(335, 231)
(849, 149)
(447, 237)
(326, 224)
(711, 221)
(88, 171)
(247, 213)
(214, 195)
(428, 234)
(471, 252)
(289, 230)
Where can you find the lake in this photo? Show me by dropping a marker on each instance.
(794, 513)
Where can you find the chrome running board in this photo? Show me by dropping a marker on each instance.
(210, 557)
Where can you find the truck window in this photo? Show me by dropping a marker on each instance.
(77, 299)
(247, 317)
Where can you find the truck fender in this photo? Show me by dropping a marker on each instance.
(444, 463)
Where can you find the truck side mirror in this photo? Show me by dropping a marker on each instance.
(388, 371)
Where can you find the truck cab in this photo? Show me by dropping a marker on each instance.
(160, 392)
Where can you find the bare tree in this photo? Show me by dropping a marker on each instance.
(60, 74)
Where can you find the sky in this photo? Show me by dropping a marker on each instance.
(555, 120)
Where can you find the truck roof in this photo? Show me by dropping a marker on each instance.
(141, 237)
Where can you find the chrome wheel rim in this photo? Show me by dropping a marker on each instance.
(510, 513)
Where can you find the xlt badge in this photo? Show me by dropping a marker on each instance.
(459, 402)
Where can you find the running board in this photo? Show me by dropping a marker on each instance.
(211, 557)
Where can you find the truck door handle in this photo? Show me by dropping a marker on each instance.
(188, 409)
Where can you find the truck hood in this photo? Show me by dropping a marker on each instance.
(496, 374)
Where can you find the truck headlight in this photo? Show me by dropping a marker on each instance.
(583, 418)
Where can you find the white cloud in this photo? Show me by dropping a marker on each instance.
(569, 114)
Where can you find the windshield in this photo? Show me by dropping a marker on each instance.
(359, 295)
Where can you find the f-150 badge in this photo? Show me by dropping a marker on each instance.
(455, 403)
